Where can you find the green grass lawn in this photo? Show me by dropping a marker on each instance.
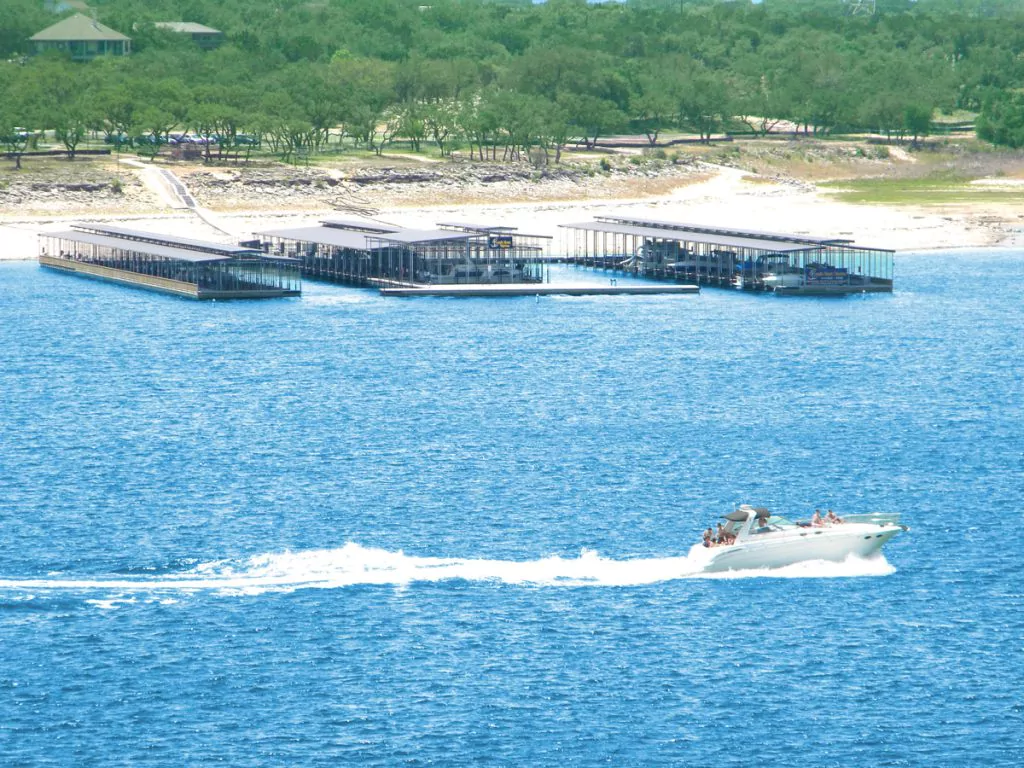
(920, 191)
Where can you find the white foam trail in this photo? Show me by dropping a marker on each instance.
(353, 564)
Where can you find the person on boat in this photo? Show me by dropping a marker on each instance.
(816, 521)
(722, 536)
(708, 534)
(833, 519)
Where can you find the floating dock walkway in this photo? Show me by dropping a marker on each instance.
(537, 289)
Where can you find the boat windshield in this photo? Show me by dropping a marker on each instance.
(774, 523)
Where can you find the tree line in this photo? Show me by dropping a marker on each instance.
(498, 79)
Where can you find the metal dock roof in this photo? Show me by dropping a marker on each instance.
(484, 229)
(347, 238)
(415, 236)
(474, 228)
(359, 226)
(139, 246)
(777, 246)
(173, 241)
(339, 238)
(732, 231)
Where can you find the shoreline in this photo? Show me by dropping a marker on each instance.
(715, 195)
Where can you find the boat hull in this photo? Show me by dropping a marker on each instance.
(833, 544)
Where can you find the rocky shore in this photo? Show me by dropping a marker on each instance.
(379, 187)
(71, 191)
(421, 192)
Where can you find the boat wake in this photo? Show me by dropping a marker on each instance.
(353, 564)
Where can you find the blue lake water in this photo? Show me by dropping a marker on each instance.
(347, 530)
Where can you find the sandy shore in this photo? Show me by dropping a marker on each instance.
(719, 196)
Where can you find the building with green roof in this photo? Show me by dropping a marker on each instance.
(83, 37)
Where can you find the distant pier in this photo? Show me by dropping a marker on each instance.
(729, 257)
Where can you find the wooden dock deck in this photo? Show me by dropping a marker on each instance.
(538, 289)
(159, 284)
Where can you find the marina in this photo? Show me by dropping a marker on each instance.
(459, 259)
(178, 266)
(728, 257)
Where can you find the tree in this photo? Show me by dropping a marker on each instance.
(1002, 119)
(917, 118)
(71, 124)
(591, 117)
(116, 109)
(652, 102)
(702, 101)
(366, 91)
(152, 131)
(13, 137)
(21, 20)
(62, 98)
(317, 97)
(555, 127)
(14, 117)
(760, 101)
(441, 122)
(478, 121)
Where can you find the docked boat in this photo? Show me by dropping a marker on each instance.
(781, 279)
(755, 538)
(475, 273)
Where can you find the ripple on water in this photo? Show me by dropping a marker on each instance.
(345, 529)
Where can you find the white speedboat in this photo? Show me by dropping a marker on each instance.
(474, 273)
(759, 539)
(784, 280)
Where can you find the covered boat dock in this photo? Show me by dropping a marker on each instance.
(176, 265)
(387, 256)
(729, 257)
